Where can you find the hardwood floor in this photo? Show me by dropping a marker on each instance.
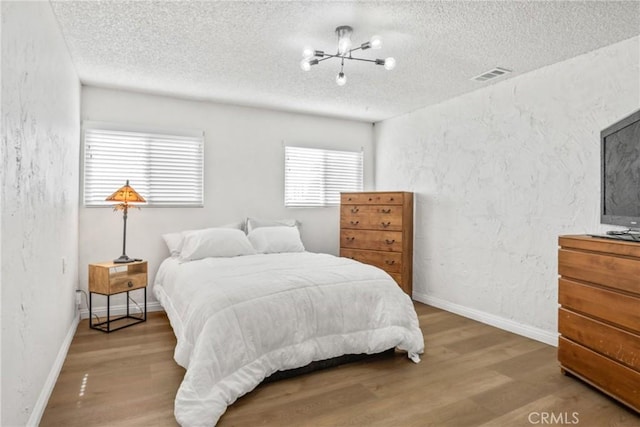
(471, 375)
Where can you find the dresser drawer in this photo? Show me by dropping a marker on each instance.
(391, 262)
(612, 271)
(611, 377)
(354, 217)
(610, 306)
(374, 240)
(371, 198)
(615, 343)
(367, 217)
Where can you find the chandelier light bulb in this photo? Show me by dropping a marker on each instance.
(375, 42)
(305, 65)
(341, 79)
(308, 52)
(389, 63)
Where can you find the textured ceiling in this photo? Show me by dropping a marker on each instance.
(248, 53)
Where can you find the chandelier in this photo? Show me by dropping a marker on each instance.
(310, 56)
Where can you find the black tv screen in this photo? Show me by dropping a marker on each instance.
(620, 160)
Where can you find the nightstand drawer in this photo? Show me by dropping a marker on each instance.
(123, 281)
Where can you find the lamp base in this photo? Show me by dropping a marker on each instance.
(123, 259)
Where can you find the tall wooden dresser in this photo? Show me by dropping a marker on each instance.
(599, 317)
(377, 228)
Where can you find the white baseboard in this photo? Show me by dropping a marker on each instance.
(121, 309)
(537, 334)
(47, 389)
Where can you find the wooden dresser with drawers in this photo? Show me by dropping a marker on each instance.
(599, 314)
(377, 228)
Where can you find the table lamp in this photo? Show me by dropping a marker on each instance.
(124, 196)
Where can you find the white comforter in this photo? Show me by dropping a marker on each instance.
(238, 320)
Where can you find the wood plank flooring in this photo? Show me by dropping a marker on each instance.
(471, 375)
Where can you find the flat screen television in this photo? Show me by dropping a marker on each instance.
(620, 172)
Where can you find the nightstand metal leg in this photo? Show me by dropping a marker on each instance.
(108, 311)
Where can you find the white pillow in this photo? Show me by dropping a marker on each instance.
(215, 242)
(276, 239)
(253, 223)
(174, 241)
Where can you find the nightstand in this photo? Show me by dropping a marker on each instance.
(109, 279)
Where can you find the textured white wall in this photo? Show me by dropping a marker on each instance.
(41, 124)
(244, 173)
(500, 173)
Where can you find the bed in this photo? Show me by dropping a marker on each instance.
(240, 319)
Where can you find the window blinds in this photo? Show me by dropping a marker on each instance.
(167, 170)
(315, 177)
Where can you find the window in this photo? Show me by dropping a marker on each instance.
(315, 177)
(166, 169)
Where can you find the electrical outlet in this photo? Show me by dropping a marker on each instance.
(78, 297)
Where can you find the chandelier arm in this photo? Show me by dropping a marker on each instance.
(326, 55)
(329, 56)
(361, 59)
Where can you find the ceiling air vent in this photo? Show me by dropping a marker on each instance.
(491, 74)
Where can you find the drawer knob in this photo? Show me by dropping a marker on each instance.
(389, 262)
(389, 242)
(355, 210)
(386, 224)
(349, 198)
(370, 199)
(130, 284)
(385, 210)
(350, 239)
(391, 199)
(355, 222)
